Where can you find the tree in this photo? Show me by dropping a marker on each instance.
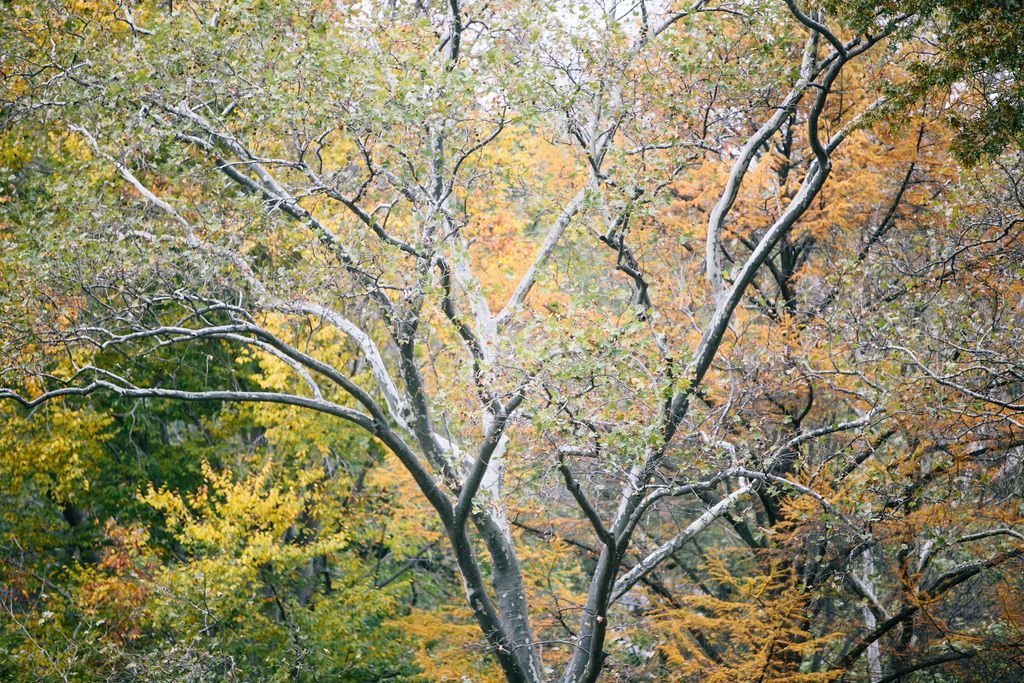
(562, 256)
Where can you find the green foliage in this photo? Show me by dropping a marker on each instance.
(263, 567)
(977, 66)
(268, 585)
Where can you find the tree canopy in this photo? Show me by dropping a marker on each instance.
(526, 341)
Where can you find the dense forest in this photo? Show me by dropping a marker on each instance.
(507, 340)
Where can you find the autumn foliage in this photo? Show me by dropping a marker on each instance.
(481, 341)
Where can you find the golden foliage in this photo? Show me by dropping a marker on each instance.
(755, 628)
